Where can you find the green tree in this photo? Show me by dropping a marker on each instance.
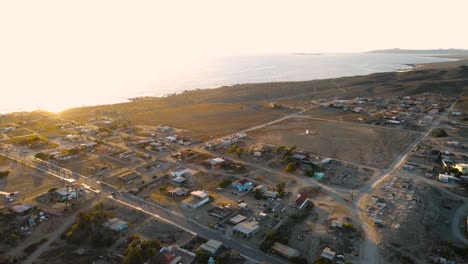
(202, 256)
(42, 156)
(258, 194)
(140, 251)
(280, 189)
(298, 260)
(224, 183)
(290, 167)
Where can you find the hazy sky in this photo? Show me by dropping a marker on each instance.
(74, 43)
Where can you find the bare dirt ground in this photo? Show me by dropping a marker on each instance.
(22, 179)
(371, 146)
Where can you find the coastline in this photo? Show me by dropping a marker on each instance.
(459, 60)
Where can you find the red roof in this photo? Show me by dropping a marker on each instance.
(166, 258)
(243, 181)
(301, 199)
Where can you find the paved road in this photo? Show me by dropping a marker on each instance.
(163, 214)
(189, 225)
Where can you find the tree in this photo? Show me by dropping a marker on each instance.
(280, 189)
(4, 173)
(239, 152)
(42, 156)
(140, 251)
(309, 172)
(224, 183)
(439, 133)
(202, 256)
(290, 167)
(258, 194)
(298, 260)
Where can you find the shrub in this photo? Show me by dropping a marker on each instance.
(290, 167)
(439, 133)
(42, 156)
(224, 183)
(4, 173)
(258, 195)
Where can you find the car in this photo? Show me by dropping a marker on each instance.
(240, 201)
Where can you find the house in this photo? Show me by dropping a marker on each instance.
(261, 188)
(447, 178)
(196, 199)
(215, 163)
(336, 224)
(175, 255)
(327, 253)
(358, 110)
(285, 251)
(241, 135)
(184, 142)
(301, 201)
(65, 194)
(242, 185)
(180, 172)
(178, 180)
(178, 191)
(270, 194)
(319, 175)
(299, 157)
(221, 212)
(116, 224)
(273, 104)
(127, 154)
(237, 219)
(211, 246)
(246, 229)
(456, 113)
(171, 138)
(22, 208)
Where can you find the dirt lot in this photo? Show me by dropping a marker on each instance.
(203, 120)
(23, 179)
(372, 146)
(335, 114)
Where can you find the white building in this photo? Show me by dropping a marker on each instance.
(180, 172)
(211, 246)
(247, 229)
(196, 199)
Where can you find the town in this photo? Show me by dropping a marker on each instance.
(324, 181)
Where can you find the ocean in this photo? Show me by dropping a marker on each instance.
(181, 74)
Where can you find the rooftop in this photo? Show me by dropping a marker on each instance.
(285, 250)
(237, 219)
(247, 227)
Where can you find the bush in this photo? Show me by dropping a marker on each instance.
(140, 251)
(348, 227)
(298, 260)
(290, 167)
(42, 156)
(439, 133)
(258, 195)
(224, 183)
(51, 190)
(4, 173)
